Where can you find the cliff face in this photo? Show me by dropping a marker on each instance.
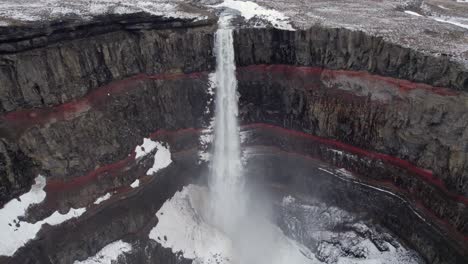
(339, 48)
(387, 113)
(77, 97)
(52, 68)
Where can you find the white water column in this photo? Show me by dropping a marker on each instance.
(226, 180)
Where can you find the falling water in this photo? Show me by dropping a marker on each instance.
(226, 181)
(255, 239)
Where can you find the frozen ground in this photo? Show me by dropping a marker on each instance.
(306, 232)
(441, 28)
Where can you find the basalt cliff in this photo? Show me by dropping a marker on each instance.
(78, 96)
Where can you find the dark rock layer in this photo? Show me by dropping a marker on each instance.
(78, 97)
(339, 48)
(71, 145)
(421, 124)
(129, 216)
(302, 175)
(58, 63)
(49, 80)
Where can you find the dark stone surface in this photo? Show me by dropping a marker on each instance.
(76, 58)
(421, 125)
(130, 217)
(61, 67)
(302, 175)
(339, 48)
(105, 133)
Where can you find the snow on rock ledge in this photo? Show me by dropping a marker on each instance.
(162, 159)
(18, 233)
(184, 227)
(108, 254)
(103, 198)
(145, 148)
(35, 10)
(249, 10)
(135, 184)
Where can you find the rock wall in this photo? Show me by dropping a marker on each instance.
(78, 95)
(61, 70)
(339, 48)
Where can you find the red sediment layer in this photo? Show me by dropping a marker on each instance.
(290, 71)
(54, 185)
(26, 118)
(390, 186)
(59, 185)
(167, 135)
(423, 174)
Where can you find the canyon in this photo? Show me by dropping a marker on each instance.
(345, 118)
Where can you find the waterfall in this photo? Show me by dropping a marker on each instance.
(226, 179)
(254, 238)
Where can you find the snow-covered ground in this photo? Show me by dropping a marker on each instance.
(459, 22)
(16, 233)
(33, 10)
(185, 227)
(108, 254)
(162, 157)
(101, 199)
(336, 236)
(249, 10)
(135, 184)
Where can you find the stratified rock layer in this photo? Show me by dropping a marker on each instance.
(76, 98)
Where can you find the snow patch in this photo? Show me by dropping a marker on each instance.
(135, 184)
(183, 227)
(162, 159)
(108, 254)
(451, 21)
(145, 148)
(21, 232)
(249, 10)
(17, 207)
(102, 198)
(413, 13)
(34, 10)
